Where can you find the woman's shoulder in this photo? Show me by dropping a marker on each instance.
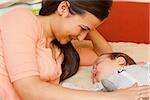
(19, 14)
(21, 17)
(21, 20)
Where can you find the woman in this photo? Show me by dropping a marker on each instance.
(26, 46)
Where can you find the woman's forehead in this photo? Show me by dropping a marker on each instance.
(91, 20)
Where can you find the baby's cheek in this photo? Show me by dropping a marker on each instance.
(107, 73)
(99, 76)
(102, 75)
(101, 72)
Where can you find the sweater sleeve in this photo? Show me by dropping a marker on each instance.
(19, 35)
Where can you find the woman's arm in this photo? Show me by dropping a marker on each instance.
(100, 45)
(90, 49)
(32, 88)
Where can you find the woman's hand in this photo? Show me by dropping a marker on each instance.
(132, 93)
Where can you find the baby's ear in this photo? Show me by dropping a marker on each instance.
(121, 61)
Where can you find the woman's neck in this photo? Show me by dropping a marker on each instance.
(46, 22)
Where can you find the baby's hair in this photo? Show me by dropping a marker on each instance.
(114, 55)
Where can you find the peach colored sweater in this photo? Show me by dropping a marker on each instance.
(22, 51)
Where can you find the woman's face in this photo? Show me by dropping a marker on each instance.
(103, 67)
(75, 26)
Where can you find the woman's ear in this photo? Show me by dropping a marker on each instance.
(121, 61)
(63, 8)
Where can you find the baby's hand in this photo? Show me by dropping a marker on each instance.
(140, 63)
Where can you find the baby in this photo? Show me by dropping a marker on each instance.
(116, 70)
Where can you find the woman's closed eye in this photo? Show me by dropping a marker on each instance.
(84, 28)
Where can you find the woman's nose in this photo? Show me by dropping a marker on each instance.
(74, 37)
(79, 36)
(82, 36)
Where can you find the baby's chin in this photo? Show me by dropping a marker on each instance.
(95, 80)
(100, 78)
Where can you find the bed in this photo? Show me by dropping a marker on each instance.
(127, 30)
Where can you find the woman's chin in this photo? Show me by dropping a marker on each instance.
(63, 42)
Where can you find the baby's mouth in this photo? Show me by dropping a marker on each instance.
(93, 74)
(94, 79)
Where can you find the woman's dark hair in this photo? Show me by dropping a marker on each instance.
(71, 62)
(99, 8)
(114, 55)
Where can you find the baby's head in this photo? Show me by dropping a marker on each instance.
(108, 63)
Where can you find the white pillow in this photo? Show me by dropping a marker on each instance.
(139, 52)
(7, 5)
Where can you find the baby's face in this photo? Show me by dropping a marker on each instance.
(103, 67)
